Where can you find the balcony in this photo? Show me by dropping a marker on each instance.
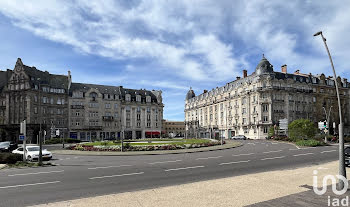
(95, 128)
(77, 107)
(107, 118)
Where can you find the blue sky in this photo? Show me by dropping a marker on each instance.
(172, 45)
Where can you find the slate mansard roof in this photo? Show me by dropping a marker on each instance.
(119, 91)
(264, 67)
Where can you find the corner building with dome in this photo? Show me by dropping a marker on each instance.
(251, 104)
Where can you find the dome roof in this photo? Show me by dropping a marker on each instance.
(190, 94)
(264, 66)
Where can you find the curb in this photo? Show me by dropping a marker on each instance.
(156, 152)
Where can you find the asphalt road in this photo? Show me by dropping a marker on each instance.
(86, 176)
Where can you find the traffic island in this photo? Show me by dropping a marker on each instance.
(155, 149)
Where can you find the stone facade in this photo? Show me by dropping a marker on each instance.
(100, 112)
(173, 128)
(35, 96)
(77, 110)
(251, 104)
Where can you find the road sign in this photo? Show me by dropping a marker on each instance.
(283, 123)
(321, 125)
(21, 137)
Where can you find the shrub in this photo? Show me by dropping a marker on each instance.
(309, 143)
(59, 141)
(10, 158)
(301, 129)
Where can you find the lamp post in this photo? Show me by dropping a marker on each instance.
(40, 142)
(342, 170)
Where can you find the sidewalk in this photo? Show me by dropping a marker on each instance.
(229, 144)
(274, 188)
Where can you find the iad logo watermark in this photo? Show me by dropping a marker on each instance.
(332, 201)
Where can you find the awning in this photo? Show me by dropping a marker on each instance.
(152, 133)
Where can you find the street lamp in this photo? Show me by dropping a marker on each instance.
(342, 170)
(40, 119)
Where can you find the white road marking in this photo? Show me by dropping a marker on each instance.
(23, 185)
(205, 158)
(293, 149)
(272, 151)
(229, 163)
(94, 168)
(272, 158)
(274, 143)
(243, 154)
(153, 163)
(328, 151)
(38, 173)
(251, 143)
(76, 157)
(303, 154)
(111, 176)
(183, 168)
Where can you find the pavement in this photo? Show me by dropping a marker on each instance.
(229, 144)
(275, 188)
(79, 176)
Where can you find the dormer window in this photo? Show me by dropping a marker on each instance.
(93, 95)
(148, 99)
(128, 97)
(138, 98)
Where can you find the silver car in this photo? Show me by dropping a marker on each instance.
(242, 137)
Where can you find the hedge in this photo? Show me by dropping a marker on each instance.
(59, 141)
(10, 158)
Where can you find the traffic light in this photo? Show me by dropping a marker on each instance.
(325, 124)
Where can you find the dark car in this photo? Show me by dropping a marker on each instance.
(347, 156)
(7, 146)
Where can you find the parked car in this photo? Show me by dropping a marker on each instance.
(347, 156)
(240, 137)
(7, 146)
(33, 153)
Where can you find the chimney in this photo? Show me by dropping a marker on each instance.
(244, 73)
(284, 68)
(238, 77)
(297, 72)
(205, 91)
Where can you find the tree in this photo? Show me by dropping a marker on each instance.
(273, 131)
(301, 129)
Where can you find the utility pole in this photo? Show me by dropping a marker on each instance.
(342, 169)
(122, 139)
(23, 129)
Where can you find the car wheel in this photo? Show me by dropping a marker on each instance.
(29, 158)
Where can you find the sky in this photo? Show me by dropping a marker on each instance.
(172, 45)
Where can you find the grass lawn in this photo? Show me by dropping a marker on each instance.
(154, 142)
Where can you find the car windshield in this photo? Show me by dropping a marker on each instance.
(33, 149)
(4, 143)
(347, 150)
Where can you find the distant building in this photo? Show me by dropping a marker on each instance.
(173, 128)
(85, 111)
(251, 104)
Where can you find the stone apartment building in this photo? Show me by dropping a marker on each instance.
(173, 128)
(85, 111)
(251, 104)
(34, 95)
(104, 112)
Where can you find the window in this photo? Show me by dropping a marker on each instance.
(265, 130)
(265, 108)
(138, 117)
(148, 99)
(148, 124)
(107, 105)
(128, 97)
(35, 110)
(127, 108)
(148, 117)
(216, 107)
(51, 101)
(244, 110)
(265, 118)
(115, 106)
(138, 109)
(59, 101)
(138, 98)
(35, 98)
(148, 109)
(244, 121)
(116, 114)
(138, 124)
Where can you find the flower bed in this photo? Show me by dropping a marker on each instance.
(128, 147)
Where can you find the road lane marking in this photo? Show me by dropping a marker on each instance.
(243, 154)
(251, 143)
(32, 184)
(328, 151)
(183, 168)
(274, 143)
(272, 151)
(153, 163)
(38, 173)
(229, 163)
(94, 168)
(293, 149)
(303, 154)
(206, 158)
(121, 175)
(272, 158)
